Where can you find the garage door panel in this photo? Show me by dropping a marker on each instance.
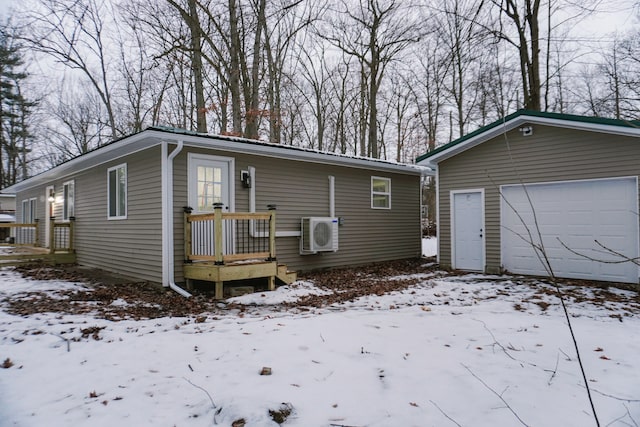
(575, 214)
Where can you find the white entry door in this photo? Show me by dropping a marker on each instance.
(467, 230)
(209, 183)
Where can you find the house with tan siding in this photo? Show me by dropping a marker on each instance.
(150, 205)
(537, 193)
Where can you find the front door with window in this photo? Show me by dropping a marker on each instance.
(209, 183)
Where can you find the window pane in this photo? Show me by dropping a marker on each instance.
(380, 185)
(380, 201)
(67, 204)
(217, 192)
(112, 193)
(25, 212)
(209, 187)
(72, 200)
(122, 192)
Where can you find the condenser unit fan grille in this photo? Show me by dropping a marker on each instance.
(322, 234)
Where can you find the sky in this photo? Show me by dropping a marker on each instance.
(4, 6)
(615, 16)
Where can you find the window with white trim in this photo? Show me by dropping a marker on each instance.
(117, 192)
(380, 193)
(68, 200)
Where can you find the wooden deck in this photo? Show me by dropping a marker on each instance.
(19, 255)
(22, 244)
(223, 247)
(219, 247)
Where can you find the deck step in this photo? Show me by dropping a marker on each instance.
(285, 275)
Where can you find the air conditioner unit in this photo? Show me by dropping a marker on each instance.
(319, 234)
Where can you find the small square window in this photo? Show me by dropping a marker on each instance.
(117, 192)
(380, 193)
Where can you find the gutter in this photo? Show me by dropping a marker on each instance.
(168, 262)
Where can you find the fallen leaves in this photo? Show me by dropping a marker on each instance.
(104, 296)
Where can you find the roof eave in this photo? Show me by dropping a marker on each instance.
(502, 128)
(106, 153)
(151, 137)
(237, 145)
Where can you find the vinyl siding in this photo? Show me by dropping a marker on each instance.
(301, 189)
(131, 246)
(550, 154)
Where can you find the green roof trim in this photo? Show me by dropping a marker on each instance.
(532, 113)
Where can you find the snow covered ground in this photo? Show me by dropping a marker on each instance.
(467, 350)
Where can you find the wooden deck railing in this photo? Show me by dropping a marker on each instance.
(227, 237)
(61, 235)
(14, 234)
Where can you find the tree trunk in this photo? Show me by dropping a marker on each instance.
(234, 68)
(196, 64)
(253, 111)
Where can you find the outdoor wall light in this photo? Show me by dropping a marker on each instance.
(526, 130)
(52, 196)
(245, 178)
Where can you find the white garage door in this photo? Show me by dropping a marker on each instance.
(573, 217)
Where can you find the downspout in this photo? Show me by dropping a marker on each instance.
(168, 263)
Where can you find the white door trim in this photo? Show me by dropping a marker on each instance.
(192, 157)
(452, 195)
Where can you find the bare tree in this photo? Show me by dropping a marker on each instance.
(190, 15)
(524, 17)
(464, 36)
(79, 127)
(426, 85)
(375, 32)
(144, 82)
(72, 32)
(281, 28)
(313, 88)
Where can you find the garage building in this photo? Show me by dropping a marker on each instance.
(539, 192)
